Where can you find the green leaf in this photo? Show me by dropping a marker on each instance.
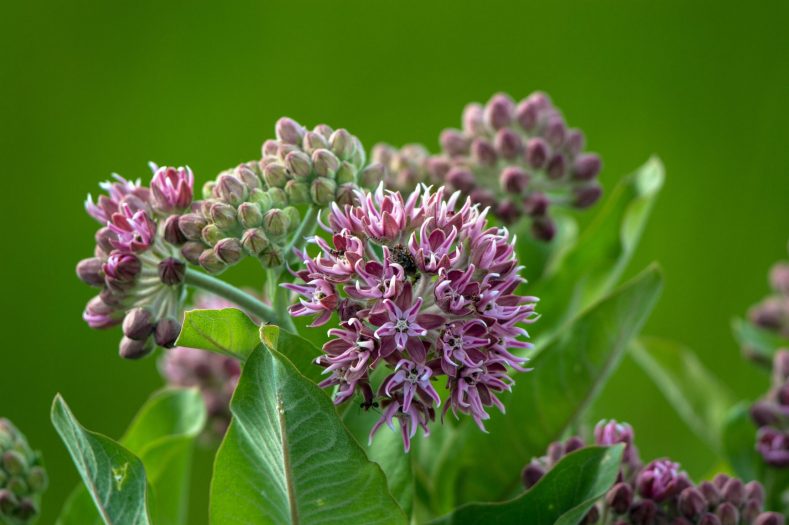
(300, 352)
(114, 476)
(699, 398)
(568, 374)
(162, 435)
(287, 457)
(540, 255)
(739, 443)
(562, 497)
(595, 264)
(758, 343)
(228, 331)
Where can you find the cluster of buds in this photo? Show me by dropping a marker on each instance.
(423, 287)
(22, 477)
(773, 312)
(140, 274)
(518, 158)
(660, 492)
(215, 375)
(771, 415)
(251, 210)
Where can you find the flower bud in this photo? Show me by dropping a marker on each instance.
(473, 119)
(556, 167)
(555, 131)
(277, 197)
(14, 463)
(211, 262)
(134, 349)
(513, 179)
(438, 168)
(271, 257)
(269, 148)
(734, 491)
(248, 176)
(592, 517)
(90, 271)
(346, 173)
(781, 366)
(297, 192)
(172, 271)
(508, 144)
(728, 514)
(290, 131)
(346, 194)
(342, 144)
(499, 111)
(325, 163)
(299, 164)
(171, 189)
(167, 332)
(586, 196)
(531, 474)
(543, 229)
(454, 143)
(769, 518)
(275, 175)
(229, 250)
(526, 114)
(212, 234)
(751, 510)
(770, 314)
(37, 479)
(230, 189)
(574, 142)
(224, 216)
(692, 502)
(121, 267)
(572, 444)
(710, 492)
(372, 175)
(483, 197)
(249, 215)
(779, 278)
(191, 226)
(138, 324)
(322, 191)
(103, 237)
(276, 223)
(643, 512)
(536, 152)
(586, 167)
(619, 498)
(709, 519)
(461, 179)
(8, 502)
(191, 251)
(314, 141)
(508, 212)
(254, 241)
(483, 152)
(22, 479)
(754, 491)
(172, 231)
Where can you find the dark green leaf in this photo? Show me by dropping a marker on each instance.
(228, 331)
(699, 398)
(115, 477)
(298, 350)
(596, 263)
(562, 497)
(758, 343)
(568, 374)
(287, 457)
(739, 444)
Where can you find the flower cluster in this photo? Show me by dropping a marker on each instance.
(771, 415)
(22, 477)
(518, 158)
(140, 274)
(660, 492)
(215, 375)
(773, 312)
(423, 287)
(251, 210)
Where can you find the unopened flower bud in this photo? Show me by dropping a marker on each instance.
(586, 196)
(460, 179)
(191, 226)
(473, 119)
(224, 216)
(211, 262)
(346, 173)
(90, 271)
(172, 231)
(734, 491)
(555, 131)
(531, 474)
(294, 217)
(171, 189)
(572, 444)
(709, 519)
(254, 241)
(710, 492)
(134, 349)
(508, 212)
(290, 131)
(543, 229)
(454, 143)
(229, 250)
(342, 144)
(346, 194)
(438, 168)
(779, 278)
(728, 514)
(212, 234)
(271, 257)
(121, 267)
(754, 491)
(322, 191)
(299, 164)
(586, 167)
(276, 223)
(691, 502)
(277, 197)
(764, 413)
(769, 518)
(483, 197)
(208, 189)
(37, 479)
(8, 502)
(483, 152)
(619, 498)
(269, 148)
(249, 215)
(314, 141)
(372, 175)
(751, 510)
(513, 179)
(325, 163)
(643, 512)
(574, 142)
(526, 115)
(592, 517)
(14, 463)
(297, 192)
(556, 167)
(536, 204)
(103, 237)
(275, 175)
(508, 144)
(499, 111)
(191, 251)
(138, 324)
(248, 177)
(781, 366)
(172, 271)
(230, 189)
(536, 152)
(167, 331)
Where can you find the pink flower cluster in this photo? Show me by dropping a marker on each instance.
(423, 287)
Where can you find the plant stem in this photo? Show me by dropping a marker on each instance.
(307, 227)
(278, 297)
(231, 293)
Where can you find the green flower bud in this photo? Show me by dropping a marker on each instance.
(271, 257)
(248, 177)
(192, 250)
(211, 262)
(372, 175)
(359, 157)
(230, 189)
(279, 199)
(17, 485)
(37, 479)
(314, 141)
(299, 164)
(346, 173)
(322, 191)
(275, 175)
(22, 478)
(297, 192)
(8, 502)
(249, 215)
(325, 163)
(14, 462)
(254, 241)
(346, 194)
(262, 198)
(341, 143)
(276, 222)
(224, 216)
(294, 218)
(229, 250)
(324, 130)
(208, 189)
(191, 225)
(212, 234)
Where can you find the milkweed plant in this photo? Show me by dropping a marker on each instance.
(423, 340)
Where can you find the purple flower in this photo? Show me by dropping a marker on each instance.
(434, 287)
(134, 230)
(612, 432)
(121, 190)
(773, 445)
(661, 480)
(171, 189)
(417, 415)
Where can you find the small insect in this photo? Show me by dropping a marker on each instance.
(401, 256)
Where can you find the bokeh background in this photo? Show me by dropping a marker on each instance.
(88, 88)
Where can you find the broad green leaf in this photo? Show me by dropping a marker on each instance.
(699, 398)
(562, 497)
(228, 331)
(538, 255)
(162, 435)
(739, 444)
(758, 343)
(114, 476)
(287, 457)
(568, 374)
(596, 262)
(300, 352)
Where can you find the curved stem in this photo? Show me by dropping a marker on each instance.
(231, 293)
(307, 227)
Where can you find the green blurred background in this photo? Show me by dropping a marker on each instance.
(87, 88)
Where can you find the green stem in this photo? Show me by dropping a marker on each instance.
(231, 293)
(278, 297)
(307, 227)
